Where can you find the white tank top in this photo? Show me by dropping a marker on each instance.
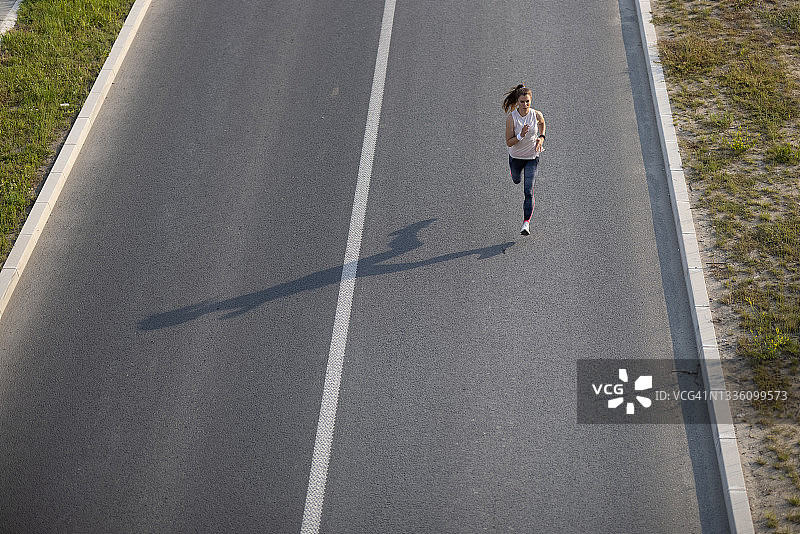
(525, 148)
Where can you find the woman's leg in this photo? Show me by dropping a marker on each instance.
(531, 169)
(516, 166)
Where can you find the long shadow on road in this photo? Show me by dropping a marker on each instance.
(404, 240)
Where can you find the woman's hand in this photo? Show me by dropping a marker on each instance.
(538, 145)
(524, 131)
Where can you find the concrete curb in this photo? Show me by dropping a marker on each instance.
(37, 218)
(733, 485)
(10, 19)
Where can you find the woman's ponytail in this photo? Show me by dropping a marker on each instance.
(511, 97)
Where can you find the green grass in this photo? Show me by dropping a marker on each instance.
(759, 84)
(783, 154)
(741, 150)
(690, 55)
(770, 519)
(47, 66)
(786, 18)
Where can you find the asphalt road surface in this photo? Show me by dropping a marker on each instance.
(163, 358)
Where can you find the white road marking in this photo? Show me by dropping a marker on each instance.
(330, 395)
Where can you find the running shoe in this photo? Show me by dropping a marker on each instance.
(526, 228)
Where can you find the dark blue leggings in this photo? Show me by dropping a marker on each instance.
(531, 167)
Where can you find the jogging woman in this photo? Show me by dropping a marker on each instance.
(524, 138)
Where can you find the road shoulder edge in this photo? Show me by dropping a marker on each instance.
(725, 443)
(57, 177)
